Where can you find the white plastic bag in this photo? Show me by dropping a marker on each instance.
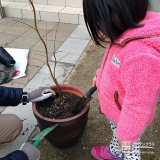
(21, 58)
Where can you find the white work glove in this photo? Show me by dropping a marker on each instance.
(40, 94)
(32, 152)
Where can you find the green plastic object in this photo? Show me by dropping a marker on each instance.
(36, 143)
(41, 135)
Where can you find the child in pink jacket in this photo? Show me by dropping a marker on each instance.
(128, 80)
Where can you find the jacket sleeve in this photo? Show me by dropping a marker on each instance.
(141, 79)
(10, 96)
(16, 155)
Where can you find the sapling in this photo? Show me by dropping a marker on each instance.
(46, 50)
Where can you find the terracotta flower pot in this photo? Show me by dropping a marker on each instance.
(69, 130)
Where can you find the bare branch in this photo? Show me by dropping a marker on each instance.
(45, 46)
(24, 24)
(54, 71)
(63, 57)
(38, 59)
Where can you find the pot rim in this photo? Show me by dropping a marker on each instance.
(66, 119)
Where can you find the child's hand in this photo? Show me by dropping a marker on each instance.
(125, 146)
(94, 81)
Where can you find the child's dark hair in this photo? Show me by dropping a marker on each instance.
(112, 17)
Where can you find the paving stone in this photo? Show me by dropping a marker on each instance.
(4, 27)
(7, 21)
(46, 25)
(66, 27)
(32, 33)
(2, 109)
(6, 39)
(51, 46)
(24, 42)
(80, 32)
(71, 50)
(38, 58)
(24, 22)
(58, 35)
(43, 78)
(16, 30)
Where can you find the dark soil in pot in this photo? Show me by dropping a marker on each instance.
(69, 130)
(54, 108)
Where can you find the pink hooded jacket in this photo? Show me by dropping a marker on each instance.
(133, 69)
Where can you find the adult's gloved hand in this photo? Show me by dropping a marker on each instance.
(32, 152)
(40, 94)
